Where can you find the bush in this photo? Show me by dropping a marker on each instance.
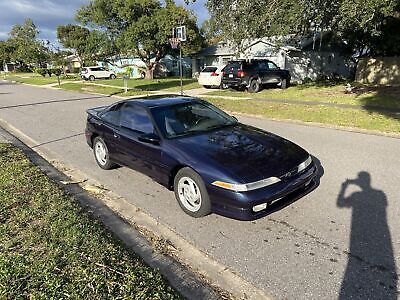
(41, 71)
(55, 71)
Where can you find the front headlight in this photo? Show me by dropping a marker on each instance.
(247, 186)
(304, 164)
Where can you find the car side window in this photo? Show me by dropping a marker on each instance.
(262, 66)
(272, 66)
(136, 118)
(111, 117)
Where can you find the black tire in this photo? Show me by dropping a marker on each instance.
(284, 83)
(107, 164)
(205, 203)
(92, 78)
(207, 86)
(254, 86)
(112, 76)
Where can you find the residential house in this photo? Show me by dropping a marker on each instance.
(73, 63)
(169, 66)
(306, 58)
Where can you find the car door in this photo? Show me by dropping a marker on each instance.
(141, 156)
(103, 73)
(274, 72)
(110, 128)
(262, 71)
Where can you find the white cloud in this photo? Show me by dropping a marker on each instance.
(48, 14)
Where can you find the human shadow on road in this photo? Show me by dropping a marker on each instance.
(371, 267)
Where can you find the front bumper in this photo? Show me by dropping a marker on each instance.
(240, 205)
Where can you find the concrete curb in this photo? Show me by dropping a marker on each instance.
(127, 221)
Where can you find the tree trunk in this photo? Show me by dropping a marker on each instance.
(149, 73)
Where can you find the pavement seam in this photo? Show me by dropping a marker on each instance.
(217, 275)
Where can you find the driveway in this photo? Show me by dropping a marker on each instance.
(341, 240)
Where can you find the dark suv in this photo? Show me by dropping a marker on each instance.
(253, 75)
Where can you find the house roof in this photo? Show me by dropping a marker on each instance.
(287, 43)
(220, 49)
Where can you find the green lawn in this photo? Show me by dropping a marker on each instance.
(171, 84)
(361, 95)
(36, 79)
(364, 119)
(51, 249)
(88, 88)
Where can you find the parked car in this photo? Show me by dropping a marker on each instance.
(254, 75)
(210, 77)
(212, 162)
(92, 73)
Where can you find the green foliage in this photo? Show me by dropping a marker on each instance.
(23, 46)
(88, 45)
(141, 28)
(365, 25)
(41, 71)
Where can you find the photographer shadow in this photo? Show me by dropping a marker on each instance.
(371, 267)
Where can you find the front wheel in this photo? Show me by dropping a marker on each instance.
(101, 154)
(284, 83)
(91, 78)
(191, 193)
(112, 76)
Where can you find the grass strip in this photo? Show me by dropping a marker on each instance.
(387, 97)
(89, 88)
(51, 249)
(371, 120)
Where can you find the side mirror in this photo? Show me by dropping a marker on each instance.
(150, 138)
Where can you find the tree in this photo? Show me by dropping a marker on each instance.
(141, 28)
(210, 31)
(26, 47)
(6, 50)
(87, 45)
(362, 24)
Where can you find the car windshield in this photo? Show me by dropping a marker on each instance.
(190, 118)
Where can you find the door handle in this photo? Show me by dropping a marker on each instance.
(116, 135)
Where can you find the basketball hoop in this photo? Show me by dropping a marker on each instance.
(174, 42)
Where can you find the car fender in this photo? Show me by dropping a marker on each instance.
(252, 78)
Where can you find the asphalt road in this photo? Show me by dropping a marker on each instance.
(340, 241)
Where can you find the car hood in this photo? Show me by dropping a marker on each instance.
(244, 153)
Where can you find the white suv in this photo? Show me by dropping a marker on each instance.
(91, 73)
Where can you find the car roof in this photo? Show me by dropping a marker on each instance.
(162, 100)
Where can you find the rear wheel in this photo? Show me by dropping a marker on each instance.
(101, 154)
(254, 86)
(92, 78)
(191, 193)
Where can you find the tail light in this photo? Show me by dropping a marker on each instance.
(241, 74)
(214, 74)
(223, 73)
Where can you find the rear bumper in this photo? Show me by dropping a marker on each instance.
(240, 205)
(234, 82)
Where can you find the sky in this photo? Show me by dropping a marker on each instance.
(48, 14)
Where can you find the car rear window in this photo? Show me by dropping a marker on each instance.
(209, 69)
(233, 66)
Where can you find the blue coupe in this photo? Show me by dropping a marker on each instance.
(212, 162)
